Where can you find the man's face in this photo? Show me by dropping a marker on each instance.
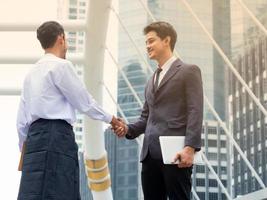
(155, 45)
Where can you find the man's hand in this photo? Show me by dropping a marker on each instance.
(120, 132)
(185, 157)
(119, 126)
(116, 124)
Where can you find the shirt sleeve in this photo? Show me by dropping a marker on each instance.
(22, 125)
(76, 93)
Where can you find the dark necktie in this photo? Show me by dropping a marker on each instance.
(157, 78)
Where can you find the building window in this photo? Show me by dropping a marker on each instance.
(78, 137)
(212, 156)
(73, 11)
(73, 2)
(212, 143)
(132, 180)
(81, 33)
(132, 193)
(71, 48)
(212, 183)
(79, 121)
(122, 153)
(132, 166)
(223, 143)
(201, 169)
(82, 4)
(121, 194)
(78, 129)
(213, 196)
(200, 182)
(121, 180)
(121, 167)
(132, 152)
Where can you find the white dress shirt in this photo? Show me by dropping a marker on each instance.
(165, 67)
(52, 90)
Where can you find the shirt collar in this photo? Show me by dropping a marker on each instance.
(166, 66)
(46, 56)
(49, 55)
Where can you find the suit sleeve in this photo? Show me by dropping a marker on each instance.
(139, 127)
(194, 106)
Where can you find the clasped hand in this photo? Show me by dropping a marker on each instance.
(119, 127)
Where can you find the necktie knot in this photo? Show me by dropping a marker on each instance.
(159, 70)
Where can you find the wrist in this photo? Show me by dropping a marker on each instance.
(112, 120)
(126, 128)
(189, 149)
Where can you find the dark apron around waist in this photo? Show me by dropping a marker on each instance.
(50, 165)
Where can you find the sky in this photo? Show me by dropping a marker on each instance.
(12, 76)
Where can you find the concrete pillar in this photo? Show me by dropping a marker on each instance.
(95, 154)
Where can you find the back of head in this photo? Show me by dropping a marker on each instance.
(163, 29)
(48, 32)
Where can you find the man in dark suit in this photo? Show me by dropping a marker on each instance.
(173, 107)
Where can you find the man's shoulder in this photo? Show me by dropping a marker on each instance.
(53, 59)
(63, 61)
(187, 67)
(61, 66)
(50, 66)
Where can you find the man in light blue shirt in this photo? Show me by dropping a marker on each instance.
(51, 93)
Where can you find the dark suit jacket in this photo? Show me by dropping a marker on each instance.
(175, 108)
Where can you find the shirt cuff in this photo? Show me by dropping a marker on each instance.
(108, 118)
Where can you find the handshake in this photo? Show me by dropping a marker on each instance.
(119, 126)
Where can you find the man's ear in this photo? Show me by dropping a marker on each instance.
(61, 39)
(167, 40)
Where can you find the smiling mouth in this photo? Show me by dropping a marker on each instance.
(150, 51)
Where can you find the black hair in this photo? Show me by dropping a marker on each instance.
(163, 29)
(48, 32)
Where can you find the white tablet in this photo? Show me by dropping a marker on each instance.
(170, 145)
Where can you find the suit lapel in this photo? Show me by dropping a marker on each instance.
(171, 72)
(150, 90)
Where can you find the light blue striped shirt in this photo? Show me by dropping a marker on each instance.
(52, 90)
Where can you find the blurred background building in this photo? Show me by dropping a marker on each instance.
(248, 122)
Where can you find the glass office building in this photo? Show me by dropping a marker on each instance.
(248, 122)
